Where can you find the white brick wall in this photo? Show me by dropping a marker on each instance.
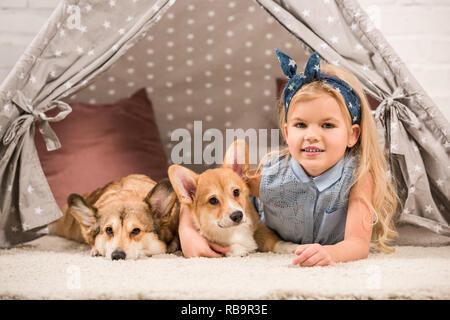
(419, 31)
(20, 20)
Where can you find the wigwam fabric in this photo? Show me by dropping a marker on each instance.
(83, 39)
(53, 67)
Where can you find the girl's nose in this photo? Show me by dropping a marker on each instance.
(311, 135)
(311, 138)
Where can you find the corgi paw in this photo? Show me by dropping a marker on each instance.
(237, 251)
(94, 252)
(285, 247)
(172, 247)
(236, 254)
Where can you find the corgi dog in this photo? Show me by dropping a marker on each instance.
(221, 208)
(135, 217)
(122, 220)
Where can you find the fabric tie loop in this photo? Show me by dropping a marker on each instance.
(65, 110)
(396, 95)
(392, 103)
(389, 101)
(50, 138)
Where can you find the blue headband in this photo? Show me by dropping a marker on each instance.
(312, 74)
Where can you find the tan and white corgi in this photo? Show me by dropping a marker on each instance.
(135, 217)
(123, 220)
(221, 208)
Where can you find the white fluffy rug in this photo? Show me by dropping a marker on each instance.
(55, 268)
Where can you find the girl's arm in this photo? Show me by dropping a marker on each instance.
(358, 232)
(358, 228)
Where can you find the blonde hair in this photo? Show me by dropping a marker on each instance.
(371, 158)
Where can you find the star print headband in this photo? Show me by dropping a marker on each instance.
(312, 74)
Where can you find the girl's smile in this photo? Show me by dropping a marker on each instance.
(312, 151)
(317, 134)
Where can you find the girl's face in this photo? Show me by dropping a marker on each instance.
(317, 134)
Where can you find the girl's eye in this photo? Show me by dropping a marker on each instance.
(135, 231)
(236, 193)
(328, 125)
(109, 231)
(213, 201)
(300, 125)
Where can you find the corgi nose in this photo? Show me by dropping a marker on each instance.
(236, 216)
(118, 254)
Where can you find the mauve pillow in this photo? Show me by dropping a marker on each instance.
(101, 143)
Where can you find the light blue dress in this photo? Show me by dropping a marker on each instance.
(302, 209)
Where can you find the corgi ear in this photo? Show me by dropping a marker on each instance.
(184, 182)
(86, 217)
(82, 212)
(161, 198)
(237, 157)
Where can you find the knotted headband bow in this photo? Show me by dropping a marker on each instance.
(311, 74)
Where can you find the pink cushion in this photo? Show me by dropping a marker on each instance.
(101, 143)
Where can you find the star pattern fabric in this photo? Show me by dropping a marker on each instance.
(208, 60)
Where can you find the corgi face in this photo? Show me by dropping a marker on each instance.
(217, 197)
(220, 199)
(118, 229)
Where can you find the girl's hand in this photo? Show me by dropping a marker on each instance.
(312, 255)
(193, 244)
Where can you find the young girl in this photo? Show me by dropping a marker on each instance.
(328, 189)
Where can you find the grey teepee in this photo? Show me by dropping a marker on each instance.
(79, 43)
